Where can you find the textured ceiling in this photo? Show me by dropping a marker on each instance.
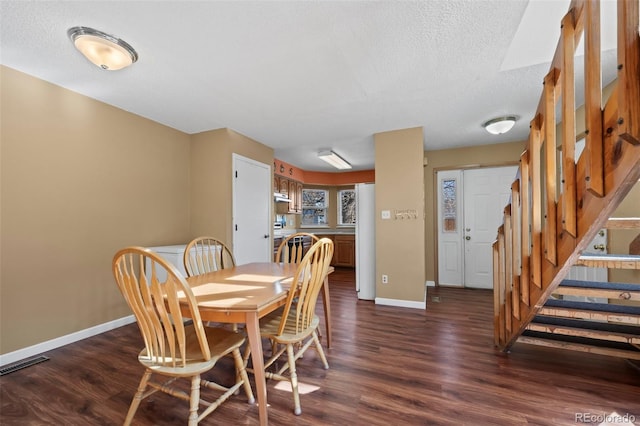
(304, 76)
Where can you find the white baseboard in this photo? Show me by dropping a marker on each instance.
(11, 357)
(400, 303)
(431, 283)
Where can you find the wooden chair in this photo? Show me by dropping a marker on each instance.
(174, 348)
(294, 329)
(291, 249)
(207, 254)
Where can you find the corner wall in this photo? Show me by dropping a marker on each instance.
(400, 239)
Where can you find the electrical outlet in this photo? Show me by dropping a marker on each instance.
(385, 279)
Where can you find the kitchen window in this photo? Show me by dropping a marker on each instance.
(315, 203)
(347, 207)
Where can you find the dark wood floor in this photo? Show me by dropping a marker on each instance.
(388, 365)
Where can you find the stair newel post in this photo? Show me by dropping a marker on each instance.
(498, 337)
(505, 302)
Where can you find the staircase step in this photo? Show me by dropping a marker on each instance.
(631, 353)
(623, 223)
(602, 312)
(621, 291)
(587, 329)
(612, 261)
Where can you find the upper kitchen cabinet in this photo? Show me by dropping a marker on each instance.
(293, 190)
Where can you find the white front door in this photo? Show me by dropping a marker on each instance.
(470, 209)
(252, 195)
(486, 193)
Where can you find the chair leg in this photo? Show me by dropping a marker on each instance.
(242, 373)
(135, 402)
(293, 376)
(194, 400)
(320, 350)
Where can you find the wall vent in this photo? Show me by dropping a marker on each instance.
(10, 368)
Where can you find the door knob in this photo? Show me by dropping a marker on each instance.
(467, 238)
(266, 236)
(599, 247)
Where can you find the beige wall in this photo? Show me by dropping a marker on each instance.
(458, 158)
(79, 180)
(400, 242)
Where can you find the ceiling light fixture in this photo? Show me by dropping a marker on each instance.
(500, 125)
(334, 159)
(107, 52)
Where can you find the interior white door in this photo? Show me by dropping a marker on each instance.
(450, 228)
(585, 273)
(252, 194)
(486, 193)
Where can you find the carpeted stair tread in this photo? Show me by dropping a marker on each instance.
(588, 306)
(581, 340)
(587, 325)
(610, 256)
(600, 285)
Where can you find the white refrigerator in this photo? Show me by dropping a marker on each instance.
(365, 241)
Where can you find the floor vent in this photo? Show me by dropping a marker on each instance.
(10, 368)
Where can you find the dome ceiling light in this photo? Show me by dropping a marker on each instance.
(104, 50)
(500, 125)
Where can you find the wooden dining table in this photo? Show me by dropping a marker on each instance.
(242, 295)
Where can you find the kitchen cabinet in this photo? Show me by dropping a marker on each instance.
(283, 186)
(298, 206)
(292, 189)
(344, 250)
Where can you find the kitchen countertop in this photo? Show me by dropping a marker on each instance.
(322, 231)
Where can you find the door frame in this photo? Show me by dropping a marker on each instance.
(436, 170)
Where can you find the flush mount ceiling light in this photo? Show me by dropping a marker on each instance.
(500, 125)
(334, 159)
(104, 50)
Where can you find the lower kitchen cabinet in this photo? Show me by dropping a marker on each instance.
(344, 250)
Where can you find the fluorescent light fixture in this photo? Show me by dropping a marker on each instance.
(500, 125)
(104, 50)
(334, 159)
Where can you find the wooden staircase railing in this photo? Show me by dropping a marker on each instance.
(557, 209)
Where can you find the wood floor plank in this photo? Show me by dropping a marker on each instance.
(388, 365)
